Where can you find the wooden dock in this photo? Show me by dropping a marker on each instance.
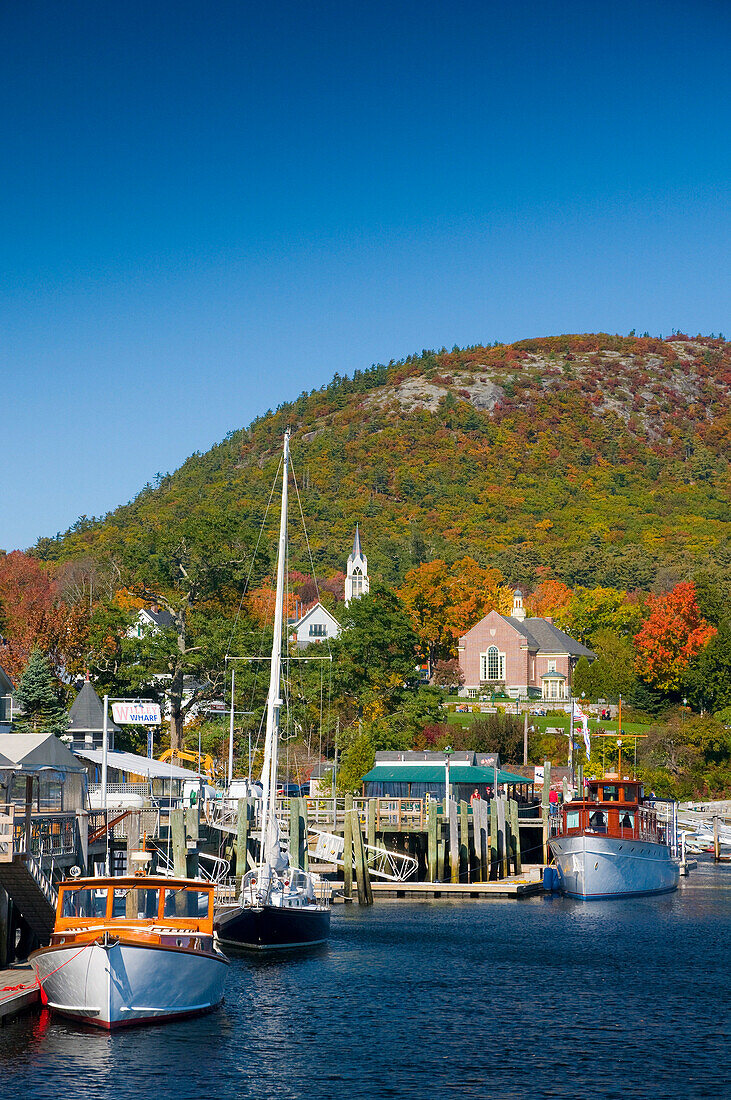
(480, 891)
(18, 991)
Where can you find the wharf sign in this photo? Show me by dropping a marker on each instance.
(136, 714)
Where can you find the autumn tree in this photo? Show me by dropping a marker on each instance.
(32, 614)
(673, 633)
(446, 601)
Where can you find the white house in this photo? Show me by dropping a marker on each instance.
(316, 625)
(149, 621)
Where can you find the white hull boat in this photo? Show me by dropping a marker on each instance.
(592, 866)
(610, 844)
(132, 950)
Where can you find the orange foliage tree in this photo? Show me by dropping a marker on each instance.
(674, 632)
(445, 601)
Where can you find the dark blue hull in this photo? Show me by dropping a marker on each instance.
(271, 927)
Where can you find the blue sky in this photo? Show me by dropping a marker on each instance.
(206, 208)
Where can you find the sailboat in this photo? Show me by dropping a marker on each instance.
(277, 907)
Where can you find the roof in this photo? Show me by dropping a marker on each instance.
(357, 552)
(434, 773)
(37, 750)
(553, 676)
(87, 713)
(540, 635)
(138, 765)
(310, 611)
(160, 618)
(547, 638)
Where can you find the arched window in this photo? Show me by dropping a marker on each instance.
(492, 664)
(357, 581)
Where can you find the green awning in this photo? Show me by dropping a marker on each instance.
(434, 773)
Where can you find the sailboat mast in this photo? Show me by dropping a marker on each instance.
(274, 701)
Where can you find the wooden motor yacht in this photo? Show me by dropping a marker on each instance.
(610, 844)
(132, 950)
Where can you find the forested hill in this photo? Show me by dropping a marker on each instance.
(602, 457)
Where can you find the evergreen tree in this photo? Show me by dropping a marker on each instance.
(39, 696)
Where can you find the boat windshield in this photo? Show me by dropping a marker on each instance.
(86, 901)
(186, 903)
(135, 904)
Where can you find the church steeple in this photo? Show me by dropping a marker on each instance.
(356, 577)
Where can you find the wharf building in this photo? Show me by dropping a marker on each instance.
(519, 656)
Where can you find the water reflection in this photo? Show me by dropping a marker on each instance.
(545, 997)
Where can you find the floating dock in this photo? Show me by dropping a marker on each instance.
(18, 991)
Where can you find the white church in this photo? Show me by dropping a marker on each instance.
(318, 624)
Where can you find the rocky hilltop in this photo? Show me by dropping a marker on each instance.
(601, 458)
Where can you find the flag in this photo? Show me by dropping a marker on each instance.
(578, 713)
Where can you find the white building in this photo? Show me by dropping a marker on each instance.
(357, 583)
(316, 625)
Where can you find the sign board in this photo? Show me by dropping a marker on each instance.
(136, 714)
(538, 775)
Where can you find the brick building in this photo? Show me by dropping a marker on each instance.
(520, 656)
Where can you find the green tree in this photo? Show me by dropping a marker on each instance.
(375, 656)
(39, 695)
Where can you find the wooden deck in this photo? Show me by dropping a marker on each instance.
(18, 991)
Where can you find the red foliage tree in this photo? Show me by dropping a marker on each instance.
(672, 634)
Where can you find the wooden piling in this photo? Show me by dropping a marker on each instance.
(348, 849)
(295, 834)
(82, 840)
(515, 833)
(503, 841)
(546, 808)
(431, 828)
(303, 820)
(453, 842)
(242, 838)
(362, 875)
(192, 822)
(493, 872)
(371, 807)
(477, 839)
(464, 842)
(716, 842)
(177, 829)
(133, 842)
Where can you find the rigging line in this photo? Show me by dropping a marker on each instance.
(253, 558)
(307, 542)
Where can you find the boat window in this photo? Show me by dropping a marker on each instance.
(135, 904)
(610, 793)
(630, 794)
(186, 903)
(87, 901)
(572, 819)
(627, 820)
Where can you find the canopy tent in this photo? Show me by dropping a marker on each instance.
(131, 764)
(434, 773)
(394, 780)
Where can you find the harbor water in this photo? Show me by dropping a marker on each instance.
(545, 997)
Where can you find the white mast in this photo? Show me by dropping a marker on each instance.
(269, 831)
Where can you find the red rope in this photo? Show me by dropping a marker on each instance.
(51, 972)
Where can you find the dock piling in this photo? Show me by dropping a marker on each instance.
(348, 849)
(453, 842)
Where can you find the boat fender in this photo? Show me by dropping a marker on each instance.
(551, 880)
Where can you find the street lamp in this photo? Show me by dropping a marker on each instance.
(447, 753)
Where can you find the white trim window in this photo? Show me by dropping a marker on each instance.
(492, 665)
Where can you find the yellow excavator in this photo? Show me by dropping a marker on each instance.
(206, 763)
